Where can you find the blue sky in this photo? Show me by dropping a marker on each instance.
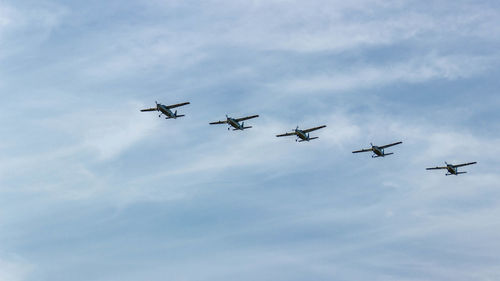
(93, 189)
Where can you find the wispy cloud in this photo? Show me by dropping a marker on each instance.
(417, 70)
(12, 271)
(106, 192)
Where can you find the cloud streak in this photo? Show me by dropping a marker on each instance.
(106, 192)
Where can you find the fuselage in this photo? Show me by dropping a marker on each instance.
(235, 124)
(163, 109)
(378, 151)
(302, 135)
(452, 170)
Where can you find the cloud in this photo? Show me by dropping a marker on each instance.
(335, 25)
(13, 271)
(103, 185)
(430, 67)
(21, 28)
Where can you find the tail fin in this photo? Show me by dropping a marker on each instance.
(459, 173)
(180, 115)
(386, 154)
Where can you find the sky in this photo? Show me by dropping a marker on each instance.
(93, 189)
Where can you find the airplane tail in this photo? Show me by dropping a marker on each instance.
(308, 139)
(182, 115)
(243, 128)
(386, 154)
(459, 173)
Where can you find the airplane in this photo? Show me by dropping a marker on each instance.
(379, 151)
(452, 169)
(235, 122)
(165, 109)
(302, 134)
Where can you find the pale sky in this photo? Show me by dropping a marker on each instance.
(93, 189)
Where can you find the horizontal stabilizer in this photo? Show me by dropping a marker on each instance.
(309, 139)
(180, 116)
(388, 154)
(248, 127)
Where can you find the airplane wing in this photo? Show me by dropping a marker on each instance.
(177, 105)
(466, 164)
(218, 122)
(437, 168)
(246, 118)
(392, 144)
(149, 109)
(286, 135)
(362, 150)
(313, 129)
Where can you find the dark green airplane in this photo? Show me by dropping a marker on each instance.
(303, 135)
(379, 151)
(166, 109)
(452, 169)
(235, 122)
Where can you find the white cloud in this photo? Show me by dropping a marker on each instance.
(22, 29)
(416, 70)
(13, 271)
(311, 204)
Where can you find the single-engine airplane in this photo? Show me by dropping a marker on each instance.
(379, 151)
(303, 135)
(235, 122)
(452, 169)
(166, 109)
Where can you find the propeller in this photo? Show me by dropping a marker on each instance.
(157, 108)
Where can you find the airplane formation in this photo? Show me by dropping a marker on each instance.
(301, 135)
